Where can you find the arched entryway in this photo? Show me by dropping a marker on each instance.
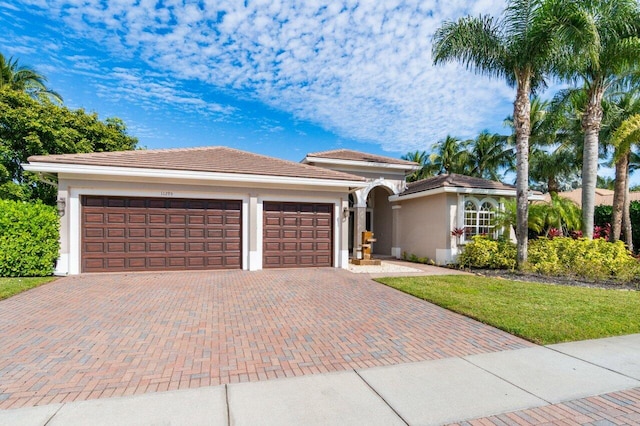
(370, 210)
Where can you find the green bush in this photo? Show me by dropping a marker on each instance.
(28, 239)
(483, 252)
(603, 215)
(595, 259)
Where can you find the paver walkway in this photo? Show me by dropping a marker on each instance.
(97, 336)
(615, 408)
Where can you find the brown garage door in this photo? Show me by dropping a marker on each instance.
(297, 234)
(128, 234)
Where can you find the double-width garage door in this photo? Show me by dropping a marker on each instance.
(127, 233)
(297, 234)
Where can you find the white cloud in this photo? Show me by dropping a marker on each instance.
(359, 68)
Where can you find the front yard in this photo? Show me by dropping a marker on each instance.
(12, 286)
(541, 313)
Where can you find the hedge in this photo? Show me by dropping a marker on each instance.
(582, 258)
(28, 239)
(602, 216)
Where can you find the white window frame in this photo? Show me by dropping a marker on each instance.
(481, 218)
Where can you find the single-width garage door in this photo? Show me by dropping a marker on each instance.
(128, 234)
(297, 234)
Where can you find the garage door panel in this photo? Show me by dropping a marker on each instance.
(94, 233)
(118, 262)
(115, 202)
(128, 233)
(157, 262)
(94, 218)
(322, 246)
(157, 233)
(292, 231)
(157, 218)
(196, 219)
(113, 232)
(306, 246)
(176, 232)
(173, 247)
(307, 234)
(136, 247)
(137, 218)
(94, 247)
(136, 232)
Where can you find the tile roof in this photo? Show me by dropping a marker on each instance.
(603, 196)
(454, 180)
(347, 154)
(215, 159)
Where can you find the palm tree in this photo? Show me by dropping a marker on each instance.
(520, 48)
(611, 55)
(560, 213)
(24, 79)
(618, 132)
(421, 158)
(446, 156)
(487, 155)
(553, 165)
(627, 135)
(553, 170)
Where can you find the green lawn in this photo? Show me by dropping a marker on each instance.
(541, 313)
(13, 286)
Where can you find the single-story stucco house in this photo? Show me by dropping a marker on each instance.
(221, 208)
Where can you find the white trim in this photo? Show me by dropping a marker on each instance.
(75, 213)
(76, 169)
(368, 164)
(456, 190)
(396, 252)
(245, 263)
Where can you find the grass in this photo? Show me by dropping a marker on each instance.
(12, 286)
(540, 313)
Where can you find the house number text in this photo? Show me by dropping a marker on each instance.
(166, 194)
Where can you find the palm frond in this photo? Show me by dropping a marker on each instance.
(476, 42)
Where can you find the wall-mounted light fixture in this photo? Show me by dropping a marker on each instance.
(345, 212)
(61, 204)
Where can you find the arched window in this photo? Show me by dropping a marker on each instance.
(478, 217)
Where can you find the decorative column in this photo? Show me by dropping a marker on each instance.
(396, 249)
(255, 233)
(359, 226)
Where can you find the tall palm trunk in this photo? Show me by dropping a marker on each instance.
(522, 125)
(626, 214)
(622, 173)
(591, 123)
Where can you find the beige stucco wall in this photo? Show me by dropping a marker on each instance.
(382, 221)
(425, 224)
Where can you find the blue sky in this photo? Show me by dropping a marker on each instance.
(280, 78)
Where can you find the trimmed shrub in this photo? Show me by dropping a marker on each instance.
(28, 239)
(483, 252)
(595, 259)
(603, 215)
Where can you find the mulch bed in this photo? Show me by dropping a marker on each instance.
(545, 279)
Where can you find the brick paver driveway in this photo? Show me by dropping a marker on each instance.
(106, 335)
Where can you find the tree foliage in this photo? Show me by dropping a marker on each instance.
(22, 78)
(30, 127)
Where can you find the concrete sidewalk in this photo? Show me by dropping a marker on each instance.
(422, 393)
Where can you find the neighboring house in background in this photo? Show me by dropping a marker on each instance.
(221, 208)
(604, 197)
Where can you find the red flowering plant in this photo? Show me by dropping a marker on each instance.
(554, 232)
(602, 231)
(576, 234)
(457, 232)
